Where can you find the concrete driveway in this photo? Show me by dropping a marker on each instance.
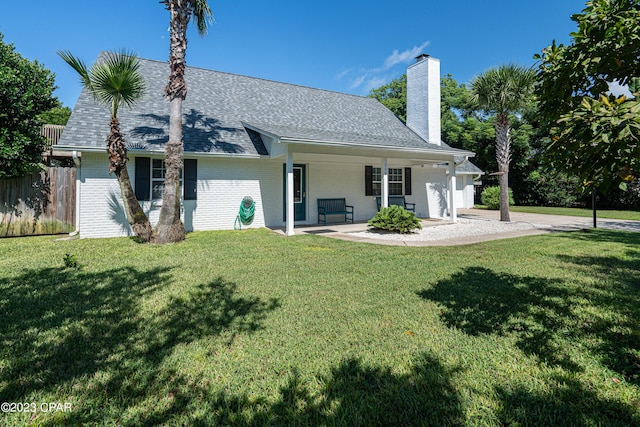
(554, 222)
(541, 224)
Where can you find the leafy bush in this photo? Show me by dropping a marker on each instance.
(491, 197)
(70, 260)
(396, 219)
(27, 91)
(548, 188)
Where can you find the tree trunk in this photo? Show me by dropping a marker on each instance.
(135, 215)
(503, 157)
(117, 151)
(170, 228)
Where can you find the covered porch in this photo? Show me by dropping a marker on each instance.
(318, 170)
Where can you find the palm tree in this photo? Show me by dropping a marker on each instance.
(170, 228)
(114, 81)
(503, 90)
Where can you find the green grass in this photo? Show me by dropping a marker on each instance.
(601, 213)
(253, 328)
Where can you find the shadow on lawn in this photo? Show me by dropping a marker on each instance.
(618, 343)
(481, 301)
(351, 395)
(64, 328)
(569, 403)
(618, 335)
(552, 319)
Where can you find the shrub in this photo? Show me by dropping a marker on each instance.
(70, 260)
(548, 188)
(396, 219)
(491, 197)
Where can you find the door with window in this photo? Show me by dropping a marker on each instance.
(299, 192)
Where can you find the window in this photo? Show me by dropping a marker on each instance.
(395, 182)
(149, 182)
(157, 178)
(399, 181)
(376, 181)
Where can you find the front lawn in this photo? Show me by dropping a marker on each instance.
(253, 328)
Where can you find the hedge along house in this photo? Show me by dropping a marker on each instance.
(283, 145)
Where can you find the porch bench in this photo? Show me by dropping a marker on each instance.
(334, 207)
(399, 201)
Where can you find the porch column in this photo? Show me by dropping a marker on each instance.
(452, 191)
(289, 223)
(384, 196)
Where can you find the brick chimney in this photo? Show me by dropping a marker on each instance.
(423, 98)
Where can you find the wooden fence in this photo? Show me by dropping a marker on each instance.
(41, 203)
(52, 134)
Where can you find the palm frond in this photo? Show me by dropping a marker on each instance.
(203, 15)
(117, 80)
(503, 89)
(113, 81)
(78, 65)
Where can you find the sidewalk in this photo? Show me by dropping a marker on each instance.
(543, 224)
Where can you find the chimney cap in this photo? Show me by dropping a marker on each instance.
(421, 57)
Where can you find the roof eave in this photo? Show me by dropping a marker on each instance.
(342, 144)
(138, 151)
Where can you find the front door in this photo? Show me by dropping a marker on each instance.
(299, 192)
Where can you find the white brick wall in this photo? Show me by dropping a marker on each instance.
(429, 188)
(101, 212)
(222, 183)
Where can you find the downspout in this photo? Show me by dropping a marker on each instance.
(76, 161)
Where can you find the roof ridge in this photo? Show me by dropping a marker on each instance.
(263, 79)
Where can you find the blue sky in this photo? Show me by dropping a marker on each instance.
(346, 46)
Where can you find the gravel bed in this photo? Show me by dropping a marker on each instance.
(464, 227)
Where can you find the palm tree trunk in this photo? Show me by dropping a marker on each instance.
(118, 164)
(170, 228)
(135, 215)
(503, 157)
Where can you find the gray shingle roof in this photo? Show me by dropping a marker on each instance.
(467, 167)
(219, 104)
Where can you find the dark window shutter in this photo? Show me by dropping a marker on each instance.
(407, 181)
(143, 178)
(368, 181)
(190, 179)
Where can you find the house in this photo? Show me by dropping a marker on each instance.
(283, 145)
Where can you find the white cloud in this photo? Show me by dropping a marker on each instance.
(367, 79)
(375, 82)
(358, 81)
(342, 74)
(403, 57)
